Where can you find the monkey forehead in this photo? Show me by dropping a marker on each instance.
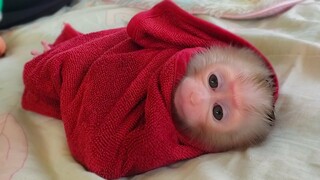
(254, 103)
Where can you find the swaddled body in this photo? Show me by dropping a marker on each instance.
(114, 89)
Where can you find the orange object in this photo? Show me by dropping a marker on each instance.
(2, 46)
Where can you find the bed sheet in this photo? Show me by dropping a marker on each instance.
(33, 147)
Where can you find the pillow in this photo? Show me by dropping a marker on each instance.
(231, 9)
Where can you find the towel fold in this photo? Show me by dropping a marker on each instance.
(113, 89)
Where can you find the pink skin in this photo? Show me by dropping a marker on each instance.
(195, 99)
(46, 47)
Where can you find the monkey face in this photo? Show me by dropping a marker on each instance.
(212, 96)
(225, 99)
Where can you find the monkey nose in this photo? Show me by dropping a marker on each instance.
(197, 97)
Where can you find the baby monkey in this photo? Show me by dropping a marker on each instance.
(226, 98)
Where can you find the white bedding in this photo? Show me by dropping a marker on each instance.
(33, 147)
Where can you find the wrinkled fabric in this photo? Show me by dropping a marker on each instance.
(113, 89)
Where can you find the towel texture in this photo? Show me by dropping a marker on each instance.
(113, 89)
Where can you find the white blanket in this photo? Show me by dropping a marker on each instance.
(33, 147)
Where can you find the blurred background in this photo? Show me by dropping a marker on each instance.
(15, 12)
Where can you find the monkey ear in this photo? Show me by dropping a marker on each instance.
(273, 82)
(271, 117)
(274, 85)
(270, 81)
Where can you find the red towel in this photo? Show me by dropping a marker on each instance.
(113, 89)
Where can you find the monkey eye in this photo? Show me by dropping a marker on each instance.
(213, 81)
(217, 112)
